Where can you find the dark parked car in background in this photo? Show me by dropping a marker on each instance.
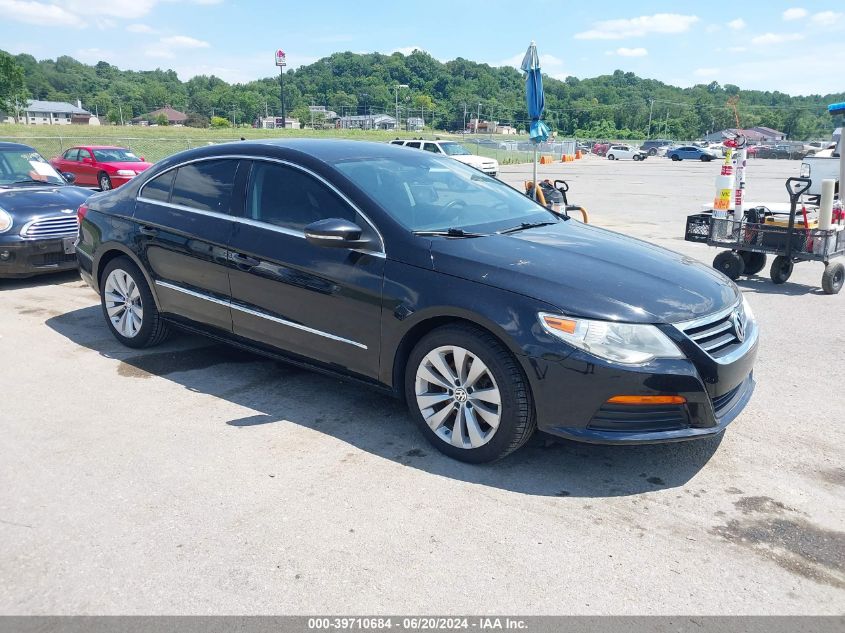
(102, 166)
(487, 313)
(652, 147)
(38, 225)
(782, 151)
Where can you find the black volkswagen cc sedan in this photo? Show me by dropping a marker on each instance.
(488, 314)
(38, 225)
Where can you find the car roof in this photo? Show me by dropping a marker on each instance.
(96, 147)
(15, 146)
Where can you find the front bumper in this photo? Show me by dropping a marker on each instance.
(571, 395)
(28, 257)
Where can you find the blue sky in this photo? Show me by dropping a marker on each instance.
(787, 46)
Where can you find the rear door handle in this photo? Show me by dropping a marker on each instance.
(148, 230)
(244, 260)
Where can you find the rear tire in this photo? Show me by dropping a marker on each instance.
(754, 262)
(781, 269)
(128, 305)
(833, 277)
(446, 371)
(729, 264)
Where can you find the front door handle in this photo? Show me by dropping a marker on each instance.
(149, 231)
(244, 260)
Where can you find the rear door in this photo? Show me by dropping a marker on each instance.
(320, 303)
(184, 220)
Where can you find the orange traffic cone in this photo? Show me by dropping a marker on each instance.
(578, 154)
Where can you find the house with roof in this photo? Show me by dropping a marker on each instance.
(367, 122)
(754, 135)
(174, 117)
(37, 112)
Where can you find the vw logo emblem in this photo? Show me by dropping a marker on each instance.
(461, 395)
(739, 326)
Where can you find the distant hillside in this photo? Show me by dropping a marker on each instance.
(616, 105)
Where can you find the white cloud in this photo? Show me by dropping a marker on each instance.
(737, 25)
(826, 18)
(407, 50)
(183, 41)
(550, 64)
(666, 23)
(39, 13)
(631, 52)
(93, 55)
(737, 49)
(706, 72)
(140, 28)
(796, 13)
(776, 38)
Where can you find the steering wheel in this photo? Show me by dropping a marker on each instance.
(457, 206)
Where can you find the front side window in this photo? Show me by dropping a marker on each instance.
(424, 192)
(454, 149)
(431, 147)
(205, 186)
(83, 154)
(290, 198)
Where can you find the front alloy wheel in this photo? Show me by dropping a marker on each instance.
(468, 395)
(458, 397)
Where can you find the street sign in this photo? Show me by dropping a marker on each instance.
(280, 58)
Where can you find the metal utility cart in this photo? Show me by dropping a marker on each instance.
(755, 235)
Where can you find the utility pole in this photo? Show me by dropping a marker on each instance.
(396, 93)
(666, 126)
(464, 129)
(477, 117)
(650, 109)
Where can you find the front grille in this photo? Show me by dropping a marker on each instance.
(56, 226)
(640, 418)
(717, 334)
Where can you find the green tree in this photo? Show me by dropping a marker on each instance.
(220, 122)
(161, 119)
(12, 89)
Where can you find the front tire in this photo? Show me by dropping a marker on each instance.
(128, 305)
(729, 264)
(468, 395)
(637, 157)
(104, 182)
(611, 157)
(833, 277)
(675, 157)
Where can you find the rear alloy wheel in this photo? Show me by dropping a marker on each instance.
(128, 305)
(754, 262)
(729, 264)
(468, 395)
(781, 269)
(833, 277)
(105, 182)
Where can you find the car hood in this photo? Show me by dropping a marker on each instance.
(589, 272)
(30, 202)
(139, 167)
(472, 159)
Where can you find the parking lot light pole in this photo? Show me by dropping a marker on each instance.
(281, 63)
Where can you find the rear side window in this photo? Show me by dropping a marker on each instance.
(414, 144)
(205, 186)
(287, 197)
(159, 187)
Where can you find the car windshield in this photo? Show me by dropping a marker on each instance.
(424, 192)
(454, 149)
(26, 167)
(115, 155)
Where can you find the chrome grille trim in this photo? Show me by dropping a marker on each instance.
(715, 334)
(54, 226)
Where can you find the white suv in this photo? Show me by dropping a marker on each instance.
(452, 149)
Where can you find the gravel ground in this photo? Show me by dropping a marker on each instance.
(195, 479)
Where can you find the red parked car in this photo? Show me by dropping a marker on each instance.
(100, 165)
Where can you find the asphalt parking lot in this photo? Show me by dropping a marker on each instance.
(195, 479)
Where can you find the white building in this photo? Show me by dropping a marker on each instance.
(367, 122)
(275, 122)
(53, 113)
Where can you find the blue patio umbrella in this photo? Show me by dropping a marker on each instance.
(535, 100)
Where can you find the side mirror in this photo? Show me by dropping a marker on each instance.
(143, 160)
(69, 177)
(334, 233)
(88, 161)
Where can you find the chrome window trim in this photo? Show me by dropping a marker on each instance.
(377, 253)
(263, 315)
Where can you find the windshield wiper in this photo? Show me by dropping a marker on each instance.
(450, 232)
(523, 226)
(30, 181)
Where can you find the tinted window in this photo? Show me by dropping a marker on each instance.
(414, 144)
(206, 186)
(431, 147)
(159, 188)
(83, 154)
(290, 198)
(72, 154)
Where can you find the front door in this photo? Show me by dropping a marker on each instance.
(86, 171)
(312, 301)
(184, 220)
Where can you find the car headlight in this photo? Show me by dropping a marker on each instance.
(627, 343)
(125, 172)
(5, 221)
